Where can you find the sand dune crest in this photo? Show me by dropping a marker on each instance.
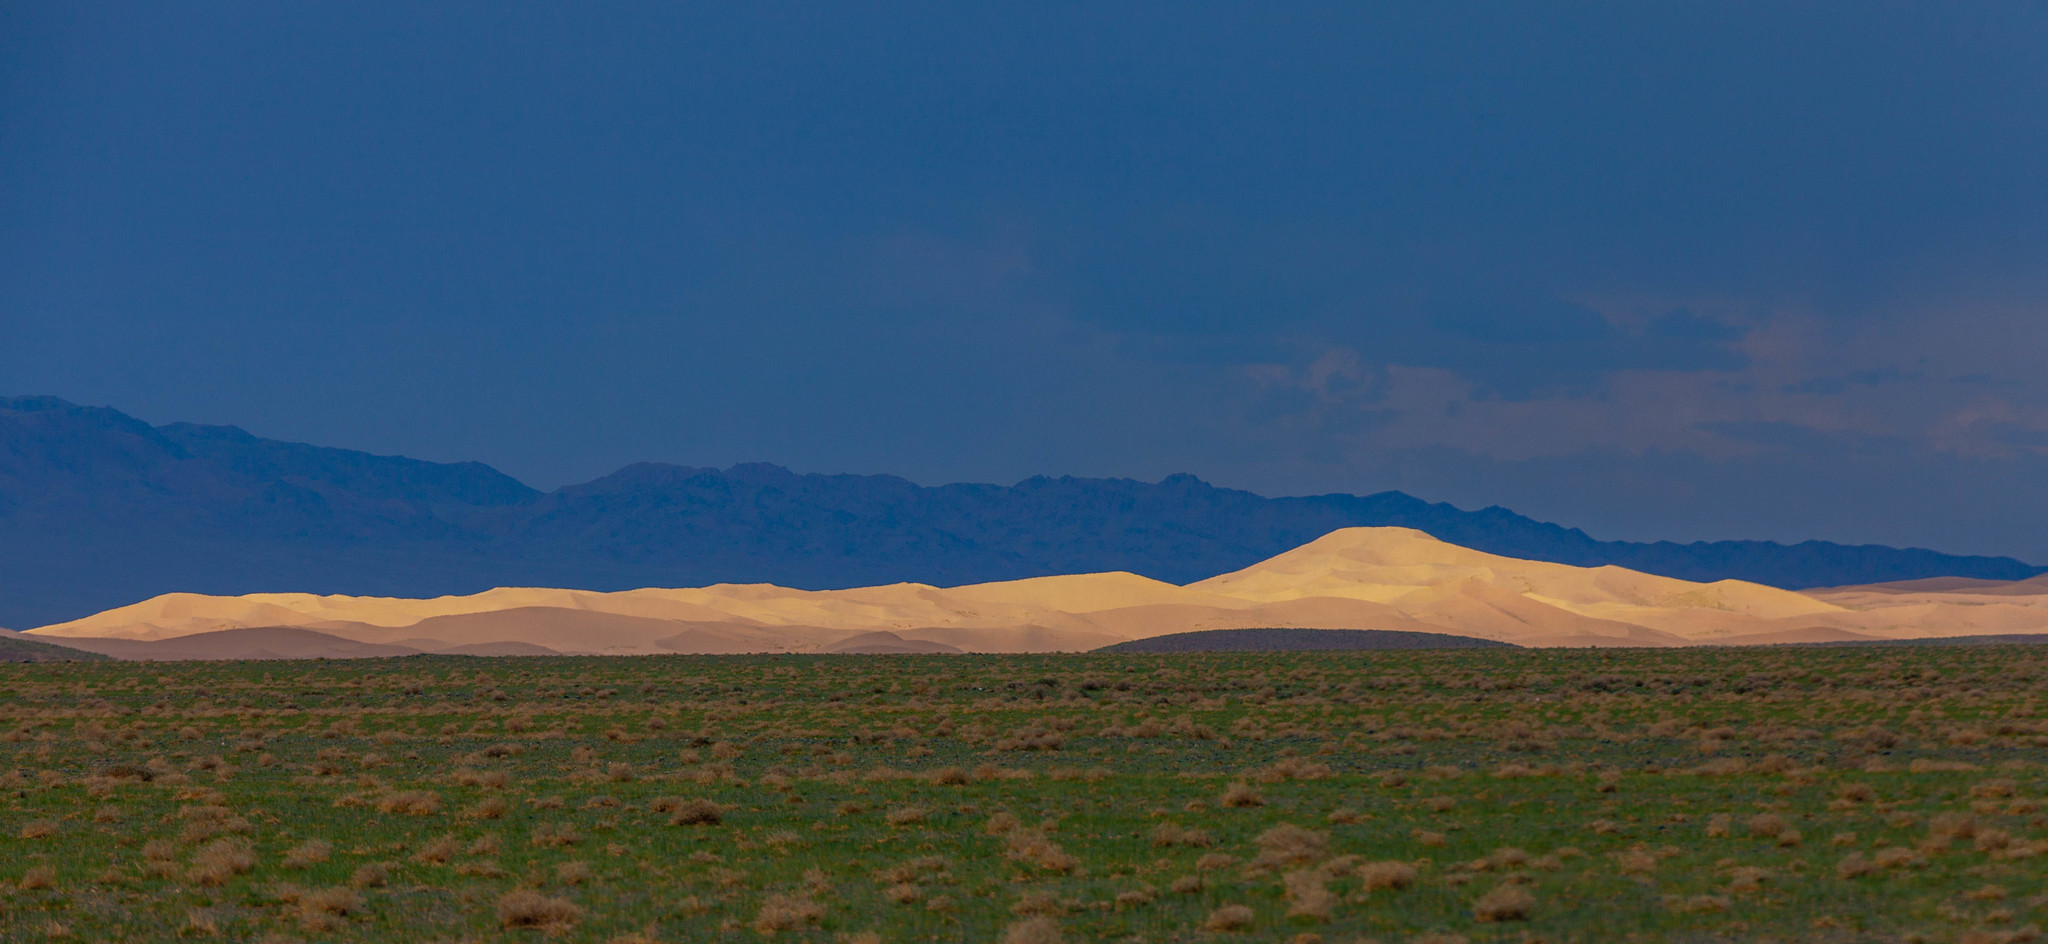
(1354, 578)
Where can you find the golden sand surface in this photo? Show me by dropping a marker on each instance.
(1354, 578)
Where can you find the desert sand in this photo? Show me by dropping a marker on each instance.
(1355, 578)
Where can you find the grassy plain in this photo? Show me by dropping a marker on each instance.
(1883, 794)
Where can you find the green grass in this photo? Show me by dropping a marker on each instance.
(949, 798)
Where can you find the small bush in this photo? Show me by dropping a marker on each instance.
(1241, 795)
(527, 908)
(696, 812)
(1377, 875)
(1288, 844)
(308, 854)
(1035, 930)
(787, 913)
(1504, 903)
(1229, 918)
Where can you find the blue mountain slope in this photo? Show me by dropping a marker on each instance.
(98, 509)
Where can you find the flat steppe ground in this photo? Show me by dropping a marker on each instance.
(1790, 794)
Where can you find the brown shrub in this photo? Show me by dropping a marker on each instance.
(1697, 904)
(410, 803)
(318, 910)
(1029, 845)
(1996, 788)
(1168, 834)
(1767, 825)
(787, 913)
(1229, 918)
(1377, 875)
(307, 854)
(1854, 865)
(219, 861)
(555, 835)
(1288, 844)
(1504, 903)
(527, 908)
(697, 811)
(1039, 903)
(1034, 930)
(1308, 894)
(1953, 825)
(1240, 795)
(439, 851)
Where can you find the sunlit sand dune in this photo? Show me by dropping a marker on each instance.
(1355, 578)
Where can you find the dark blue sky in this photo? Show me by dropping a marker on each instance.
(1678, 270)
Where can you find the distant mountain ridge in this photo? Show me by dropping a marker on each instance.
(99, 509)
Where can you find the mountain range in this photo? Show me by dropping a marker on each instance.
(99, 509)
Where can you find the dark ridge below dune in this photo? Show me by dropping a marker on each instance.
(16, 648)
(256, 643)
(2004, 639)
(1300, 640)
(99, 509)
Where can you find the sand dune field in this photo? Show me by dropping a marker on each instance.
(1355, 578)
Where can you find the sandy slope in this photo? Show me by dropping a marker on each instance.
(1356, 578)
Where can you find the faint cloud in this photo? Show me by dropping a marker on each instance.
(1528, 345)
(1993, 429)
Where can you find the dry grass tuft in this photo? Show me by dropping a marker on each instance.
(219, 861)
(1767, 826)
(1167, 834)
(439, 851)
(905, 816)
(1032, 846)
(1034, 930)
(1697, 904)
(308, 854)
(1504, 903)
(1241, 795)
(696, 811)
(787, 913)
(410, 803)
(527, 908)
(573, 873)
(321, 910)
(1308, 894)
(1288, 844)
(1229, 918)
(555, 835)
(1374, 876)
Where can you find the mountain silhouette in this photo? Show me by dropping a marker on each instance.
(99, 509)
